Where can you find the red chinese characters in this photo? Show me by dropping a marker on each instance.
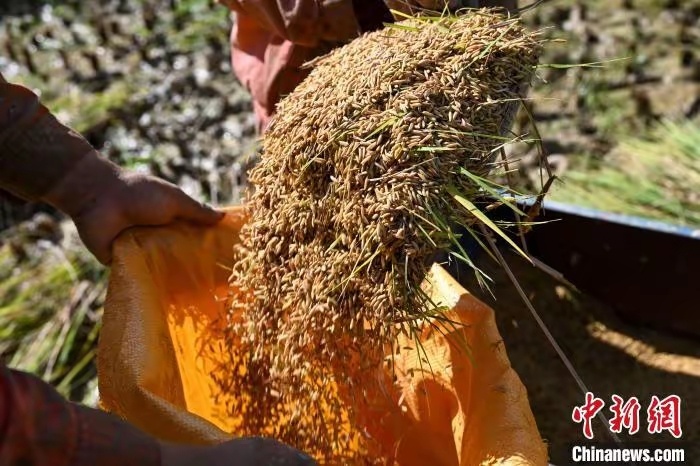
(665, 415)
(625, 415)
(585, 414)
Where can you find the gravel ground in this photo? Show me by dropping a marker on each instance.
(148, 82)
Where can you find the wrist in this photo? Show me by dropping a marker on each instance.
(89, 181)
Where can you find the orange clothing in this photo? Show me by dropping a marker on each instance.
(271, 39)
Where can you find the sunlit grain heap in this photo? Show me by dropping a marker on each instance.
(354, 196)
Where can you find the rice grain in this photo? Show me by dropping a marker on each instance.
(352, 201)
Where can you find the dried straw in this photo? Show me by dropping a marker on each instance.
(354, 195)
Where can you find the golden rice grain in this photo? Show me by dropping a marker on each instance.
(350, 208)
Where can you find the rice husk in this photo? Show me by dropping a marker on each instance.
(353, 198)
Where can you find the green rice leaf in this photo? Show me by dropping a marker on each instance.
(472, 209)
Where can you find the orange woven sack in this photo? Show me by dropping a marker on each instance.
(158, 358)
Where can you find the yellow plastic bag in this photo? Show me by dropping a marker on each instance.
(158, 355)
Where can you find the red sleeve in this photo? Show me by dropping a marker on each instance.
(38, 427)
(272, 38)
(36, 150)
(303, 22)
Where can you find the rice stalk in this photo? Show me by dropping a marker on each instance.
(50, 318)
(655, 177)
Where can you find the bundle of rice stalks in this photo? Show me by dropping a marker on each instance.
(656, 176)
(366, 169)
(50, 315)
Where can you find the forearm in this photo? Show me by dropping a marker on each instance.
(43, 160)
(39, 427)
(36, 150)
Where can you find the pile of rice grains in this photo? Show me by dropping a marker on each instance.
(353, 197)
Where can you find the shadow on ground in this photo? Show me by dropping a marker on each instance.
(611, 356)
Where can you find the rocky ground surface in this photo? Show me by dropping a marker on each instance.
(149, 83)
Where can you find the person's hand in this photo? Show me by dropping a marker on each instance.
(132, 201)
(103, 200)
(253, 451)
